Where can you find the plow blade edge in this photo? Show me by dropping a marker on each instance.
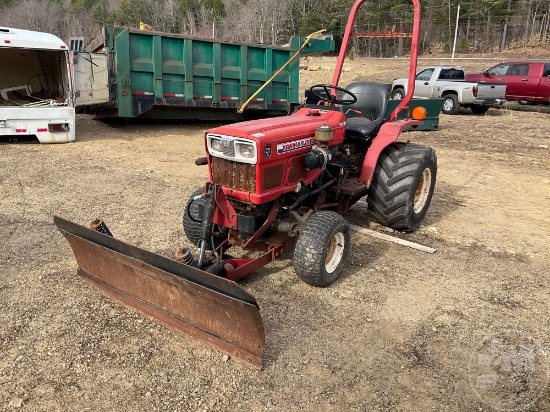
(209, 308)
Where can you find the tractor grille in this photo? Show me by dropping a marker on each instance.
(272, 176)
(297, 169)
(238, 176)
(228, 147)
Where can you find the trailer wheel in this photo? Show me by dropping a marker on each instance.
(398, 93)
(402, 186)
(450, 104)
(322, 248)
(191, 219)
(479, 109)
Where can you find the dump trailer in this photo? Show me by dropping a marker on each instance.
(273, 184)
(131, 73)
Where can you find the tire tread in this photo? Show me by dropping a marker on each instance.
(310, 248)
(388, 196)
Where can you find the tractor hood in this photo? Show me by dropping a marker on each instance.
(278, 143)
(301, 124)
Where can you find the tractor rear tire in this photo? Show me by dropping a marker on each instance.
(402, 186)
(479, 109)
(322, 248)
(192, 225)
(450, 104)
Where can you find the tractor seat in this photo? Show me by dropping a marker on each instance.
(367, 114)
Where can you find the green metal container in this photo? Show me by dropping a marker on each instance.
(432, 106)
(160, 75)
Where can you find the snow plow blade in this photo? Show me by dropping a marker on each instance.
(190, 301)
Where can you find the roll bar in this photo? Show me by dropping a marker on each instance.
(413, 56)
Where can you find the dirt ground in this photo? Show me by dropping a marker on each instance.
(464, 329)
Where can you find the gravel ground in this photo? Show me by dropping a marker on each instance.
(466, 328)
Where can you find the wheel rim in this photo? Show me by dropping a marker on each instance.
(335, 251)
(422, 190)
(398, 96)
(448, 105)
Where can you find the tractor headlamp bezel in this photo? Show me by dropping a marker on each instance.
(232, 148)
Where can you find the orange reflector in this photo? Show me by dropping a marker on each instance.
(419, 113)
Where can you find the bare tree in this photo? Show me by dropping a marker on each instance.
(35, 15)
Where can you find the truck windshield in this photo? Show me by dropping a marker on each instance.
(451, 74)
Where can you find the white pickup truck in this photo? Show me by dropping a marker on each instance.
(448, 83)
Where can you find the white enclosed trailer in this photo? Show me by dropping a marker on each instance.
(36, 97)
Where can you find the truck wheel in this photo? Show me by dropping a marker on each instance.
(479, 109)
(191, 220)
(402, 186)
(524, 102)
(450, 104)
(322, 248)
(398, 93)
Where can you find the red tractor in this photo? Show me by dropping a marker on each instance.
(273, 183)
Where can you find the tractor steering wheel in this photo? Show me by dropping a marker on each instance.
(329, 97)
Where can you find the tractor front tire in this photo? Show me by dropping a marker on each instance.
(322, 248)
(192, 225)
(450, 104)
(402, 186)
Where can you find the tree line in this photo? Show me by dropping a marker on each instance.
(483, 25)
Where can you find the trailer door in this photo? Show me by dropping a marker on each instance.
(91, 78)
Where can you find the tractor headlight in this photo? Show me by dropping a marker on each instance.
(236, 149)
(246, 150)
(216, 145)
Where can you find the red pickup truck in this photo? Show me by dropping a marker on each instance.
(527, 82)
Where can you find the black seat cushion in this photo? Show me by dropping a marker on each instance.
(367, 114)
(362, 128)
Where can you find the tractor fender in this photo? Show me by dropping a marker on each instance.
(389, 133)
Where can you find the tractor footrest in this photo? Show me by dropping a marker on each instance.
(350, 188)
